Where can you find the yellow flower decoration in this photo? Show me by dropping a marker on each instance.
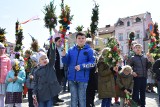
(17, 66)
(61, 28)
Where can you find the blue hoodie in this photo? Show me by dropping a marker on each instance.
(83, 57)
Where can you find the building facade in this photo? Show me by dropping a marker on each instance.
(102, 38)
(138, 24)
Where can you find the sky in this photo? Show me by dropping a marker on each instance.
(109, 12)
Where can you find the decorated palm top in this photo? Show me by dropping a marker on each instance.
(2, 35)
(154, 45)
(65, 19)
(112, 54)
(27, 65)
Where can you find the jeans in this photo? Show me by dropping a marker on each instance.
(106, 102)
(78, 93)
(65, 80)
(158, 83)
(15, 105)
(48, 103)
(2, 97)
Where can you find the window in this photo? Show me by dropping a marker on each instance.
(122, 48)
(120, 36)
(120, 23)
(104, 41)
(128, 23)
(138, 19)
(137, 34)
(96, 42)
(128, 34)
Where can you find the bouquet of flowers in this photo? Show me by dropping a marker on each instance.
(112, 55)
(16, 68)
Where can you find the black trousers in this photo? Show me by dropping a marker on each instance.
(90, 95)
(30, 99)
(60, 76)
(139, 89)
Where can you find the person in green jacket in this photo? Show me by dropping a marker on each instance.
(125, 83)
(106, 81)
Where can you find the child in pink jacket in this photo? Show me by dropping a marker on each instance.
(5, 66)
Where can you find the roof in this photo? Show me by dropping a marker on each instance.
(106, 30)
(142, 15)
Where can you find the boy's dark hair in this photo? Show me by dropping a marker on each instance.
(57, 38)
(80, 34)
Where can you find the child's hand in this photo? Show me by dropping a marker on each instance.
(134, 74)
(10, 79)
(77, 67)
(126, 91)
(150, 57)
(115, 68)
(31, 76)
(34, 96)
(15, 78)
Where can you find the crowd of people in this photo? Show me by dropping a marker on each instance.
(44, 74)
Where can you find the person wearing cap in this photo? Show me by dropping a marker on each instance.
(14, 80)
(45, 84)
(29, 81)
(5, 66)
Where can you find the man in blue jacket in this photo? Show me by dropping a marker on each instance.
(79, 59)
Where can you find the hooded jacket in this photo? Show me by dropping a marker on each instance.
(106, 81)
(79, 56)
(5, 67)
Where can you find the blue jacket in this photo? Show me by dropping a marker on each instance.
(83, 57)
(17, 85)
